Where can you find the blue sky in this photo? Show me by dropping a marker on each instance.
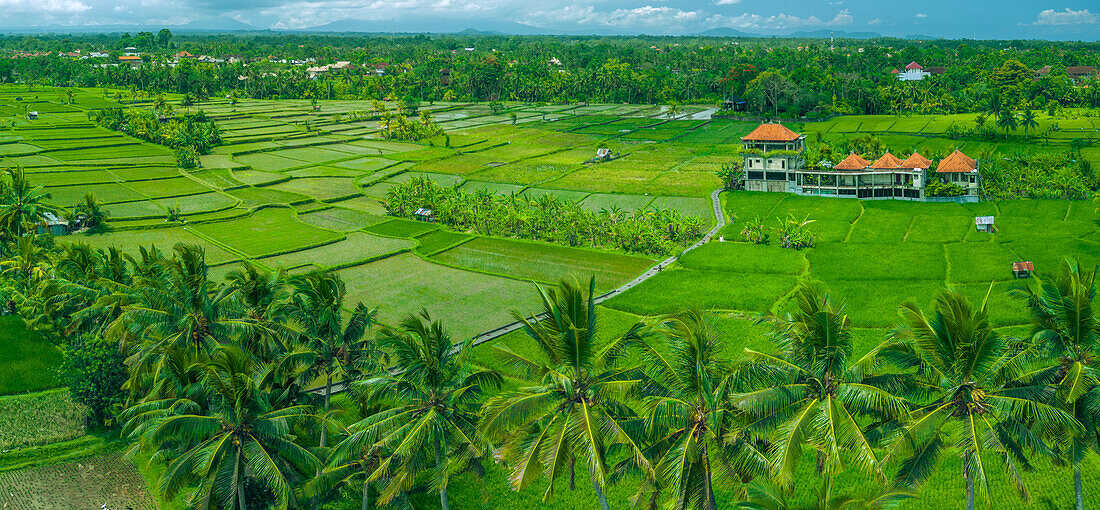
(1063, 19)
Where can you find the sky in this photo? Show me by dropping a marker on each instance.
(995, 19)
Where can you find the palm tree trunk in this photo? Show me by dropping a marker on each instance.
(1077, 486)
(708, 486)
(600, 494)
(572, 473)
(443, 487)
(366, 491)
(240, 497)
(969, 487)
(328, 394)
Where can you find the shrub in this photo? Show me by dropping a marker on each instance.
(94, 371)
(756, 231)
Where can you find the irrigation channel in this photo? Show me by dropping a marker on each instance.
(493, 334)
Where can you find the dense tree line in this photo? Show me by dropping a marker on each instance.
(189, 135)
(781, 77)
(652, 231)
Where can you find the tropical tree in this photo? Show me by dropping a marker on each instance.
(812, 393)
(333, 346)
(980, 398)
(243, 442)
(21, 204)
(1006, 120)
(429, 410)
(575, 405)
(1068, 331)
(95, 217)
(1028, 120)
(694, 430)
(256, 296)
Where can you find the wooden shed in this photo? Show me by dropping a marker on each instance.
(1023, 269)
(984, 223)
(54, 225)
(424, 214)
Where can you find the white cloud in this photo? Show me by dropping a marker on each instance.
(920, 15)
(776, 22)
(876, 21)
(648, 16)
(727, 2)
(1066, 17)
(43, 6)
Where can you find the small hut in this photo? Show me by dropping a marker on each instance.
(53, 225)
(984, 224)
(32, 115)
(424, 214)
(603, 154)
(1022, 269)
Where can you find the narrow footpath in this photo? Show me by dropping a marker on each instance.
(493, 334)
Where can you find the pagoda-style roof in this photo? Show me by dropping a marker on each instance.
(771, 133)
(913, 66)
(915, 161)
(957, 162)
(887, 162)
(852, 162)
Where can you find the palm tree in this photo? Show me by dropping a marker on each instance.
(1028, 120)
(977, 398)
(22, 204)
(95, 217)
(574, 407)
(1069, 332)
(333, 346)
(256, 296)
(1006, 120)
(243, 440)
(429, 410)
(813, 393)
(690, 420)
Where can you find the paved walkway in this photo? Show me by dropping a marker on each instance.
(493, 334)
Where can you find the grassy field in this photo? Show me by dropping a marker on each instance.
(275, 194)
(27, 362)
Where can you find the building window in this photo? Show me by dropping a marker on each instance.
(783, 164)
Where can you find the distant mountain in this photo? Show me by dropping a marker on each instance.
(209, 24)
(825, 34)
(424, 26)
(725, 32)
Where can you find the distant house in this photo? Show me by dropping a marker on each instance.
(133, 60)
(184, 54)
(958, 168)
(1022, 269)
(773, 161)
(1041, 72)
(130, 51)
(32, 115)
(53, 225)
(913, 72)
(604, 154)
(984, 223)
(1080, 73)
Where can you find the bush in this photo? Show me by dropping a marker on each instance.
(94, 371)
(943, 189)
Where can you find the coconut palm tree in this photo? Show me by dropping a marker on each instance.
(812, 393)
(1068, 331)
(1028, 120)
(574, 407)
(256, 296)
(95, 217)
(694, 431)
(1006, 120)
(429, 410)
(980, 398)
(333, 346)
(242, 441)
(22, 204)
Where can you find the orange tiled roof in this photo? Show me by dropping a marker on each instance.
(886, 162)
(771, 133)
(852, 162)
(957, 162)
(915, 161)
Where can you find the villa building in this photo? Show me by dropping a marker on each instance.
(912, 72)
(773, 161)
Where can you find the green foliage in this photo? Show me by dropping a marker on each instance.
(93, 370)
(546, 218)
(938, 188)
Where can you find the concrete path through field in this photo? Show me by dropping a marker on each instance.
(493, 334)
